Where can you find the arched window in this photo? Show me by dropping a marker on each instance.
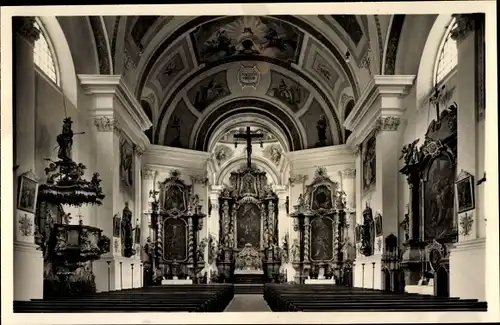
(447, 55)
(43, 56)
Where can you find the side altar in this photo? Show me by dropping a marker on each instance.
(175, 222)
(321, 250)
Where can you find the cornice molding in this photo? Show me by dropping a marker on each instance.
(324, 156)
(169, 157)
(114, 85)
(381, 86)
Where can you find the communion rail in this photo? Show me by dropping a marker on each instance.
(328, 298)
(168, 298)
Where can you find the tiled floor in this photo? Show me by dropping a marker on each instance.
(244, 303)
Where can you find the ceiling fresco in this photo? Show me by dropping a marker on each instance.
(288, 91)
(209, 90)
(184, 69)
(246, 35)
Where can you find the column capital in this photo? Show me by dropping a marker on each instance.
(139, 149)
(466, 23)
(387, 123)
(25, 27)
(106, 123)
(348, 173)
(148, 173)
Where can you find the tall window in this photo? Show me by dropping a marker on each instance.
(44, 57)
(447, 55)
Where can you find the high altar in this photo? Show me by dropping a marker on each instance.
(248, 227)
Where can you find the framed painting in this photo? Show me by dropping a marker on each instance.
(28, 193)
(464, 189)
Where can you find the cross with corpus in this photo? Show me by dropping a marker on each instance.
(248, 136)
(436, 97)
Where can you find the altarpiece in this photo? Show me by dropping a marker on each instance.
(431, 226)
(319, 219)
(175, 222)
(248, 226)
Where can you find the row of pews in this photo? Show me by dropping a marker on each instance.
(169, 298)
(331, 298)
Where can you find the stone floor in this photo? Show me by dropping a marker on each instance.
(247, 303)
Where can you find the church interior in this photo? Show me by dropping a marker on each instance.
(176, 163)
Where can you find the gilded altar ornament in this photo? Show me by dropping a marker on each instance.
(466, 222)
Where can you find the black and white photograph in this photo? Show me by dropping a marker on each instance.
(250, 143)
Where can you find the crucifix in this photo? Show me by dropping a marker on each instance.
(436, 97)
(248, 136)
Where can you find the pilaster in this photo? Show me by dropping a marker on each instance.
(116, 116)
(283, 224)
(28, 261)
(379, 113)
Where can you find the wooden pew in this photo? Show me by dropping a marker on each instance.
(192, 298)
(340, 298)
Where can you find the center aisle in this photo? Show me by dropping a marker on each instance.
(247, 303)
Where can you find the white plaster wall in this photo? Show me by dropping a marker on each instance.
(372, 276)
(28, 267)
(468, 270)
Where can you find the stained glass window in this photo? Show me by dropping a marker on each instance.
(44, 57)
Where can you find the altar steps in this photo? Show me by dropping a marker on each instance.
(248, 289)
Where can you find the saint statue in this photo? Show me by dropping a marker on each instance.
(321, 126)
(127, 238)
(65, 140)
(295, 251)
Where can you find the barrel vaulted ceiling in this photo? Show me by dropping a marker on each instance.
(303, 73)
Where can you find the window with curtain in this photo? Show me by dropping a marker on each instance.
(447, 55)
(43, 56)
